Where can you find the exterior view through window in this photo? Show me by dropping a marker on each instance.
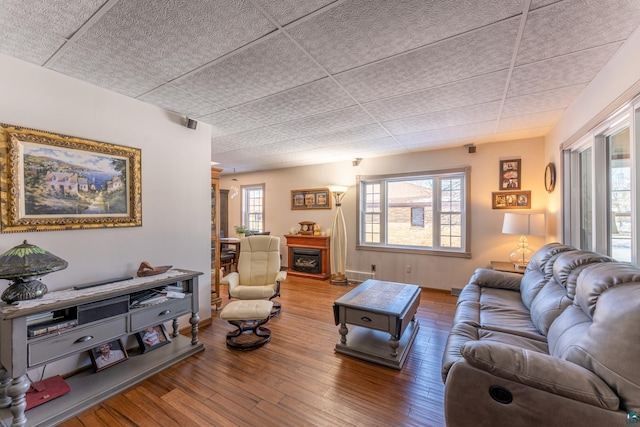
(426, 211)
(253, 207)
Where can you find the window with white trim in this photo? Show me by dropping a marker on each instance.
(600, 214)
(425, 212)
(253, 207)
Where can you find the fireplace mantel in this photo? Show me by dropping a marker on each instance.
(309, 242)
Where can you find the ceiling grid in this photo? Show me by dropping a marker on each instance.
(297, 82)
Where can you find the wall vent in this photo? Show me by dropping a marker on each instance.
(359, 276)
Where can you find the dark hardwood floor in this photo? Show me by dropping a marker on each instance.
(294, 380)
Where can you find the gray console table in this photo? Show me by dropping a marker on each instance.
(20, 353)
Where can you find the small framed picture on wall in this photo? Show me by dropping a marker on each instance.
(510, 174)
(511, 200)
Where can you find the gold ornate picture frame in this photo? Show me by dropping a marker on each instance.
(51, 181)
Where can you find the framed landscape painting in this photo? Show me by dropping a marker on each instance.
(56, 182)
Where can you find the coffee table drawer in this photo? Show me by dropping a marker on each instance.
(365, 318)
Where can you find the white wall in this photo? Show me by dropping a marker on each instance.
(428, 271)
(175, 178)
(616, 84)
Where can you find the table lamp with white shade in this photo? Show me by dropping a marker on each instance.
(524, 224)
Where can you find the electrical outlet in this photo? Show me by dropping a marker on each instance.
(408, 269)
(373, 268)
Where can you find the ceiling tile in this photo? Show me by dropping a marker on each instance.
(174, 99)
(542, 101)
(54, 17)
(277, 148)
(286, 11)
(473, 54)
(536, 4)
(473, 91)
(28, 43)
(81, 64)
(358, 32)
(371, 147)
(530, 121)
(313, 98)
(170, 38)
(264, 68)
(288, 83)
(360, 133)
(443, 119)
(251, 138)
(227, 122)
(571, 69)
(325, 122)
(425, 138)
(521, 134)
(574, 25)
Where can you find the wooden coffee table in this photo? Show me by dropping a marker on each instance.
(383, 319)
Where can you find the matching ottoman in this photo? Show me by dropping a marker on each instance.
(248, 316)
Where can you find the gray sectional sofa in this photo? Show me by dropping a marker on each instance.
(557, 346)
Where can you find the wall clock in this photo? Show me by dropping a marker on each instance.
(550, 177)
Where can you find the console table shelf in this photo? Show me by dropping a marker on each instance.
(18, 354)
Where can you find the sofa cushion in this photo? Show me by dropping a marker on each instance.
(532, 344)
(598, 278)
(599, 331)
(547, 305)
(498, 309)
(462, 333)
(558, 293)
(569, 265)
(540, 270)
(540, 371)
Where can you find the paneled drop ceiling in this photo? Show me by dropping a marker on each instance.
(296, 82)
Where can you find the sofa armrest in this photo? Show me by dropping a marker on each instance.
(540, 371)
(485, 277)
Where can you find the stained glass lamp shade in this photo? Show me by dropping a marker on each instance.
(25, 264)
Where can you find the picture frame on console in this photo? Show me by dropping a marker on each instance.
(58, 182)
(108, 354)
(152, 338)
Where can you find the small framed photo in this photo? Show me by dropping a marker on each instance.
(510, 174)
(108, 354)
(511, 200)
(152, 338)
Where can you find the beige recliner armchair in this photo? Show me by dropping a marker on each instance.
(258, 274)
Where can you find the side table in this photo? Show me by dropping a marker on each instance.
(507, 267)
